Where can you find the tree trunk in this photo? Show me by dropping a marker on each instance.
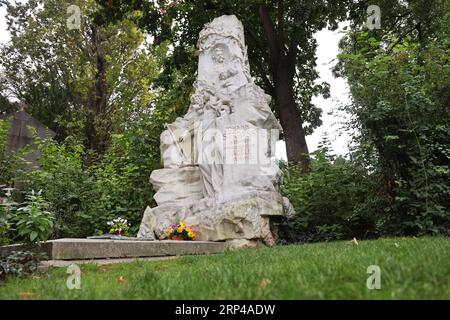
(290, 118)
(282, 66)
(97, 97)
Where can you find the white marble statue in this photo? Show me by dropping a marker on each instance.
(219, 171)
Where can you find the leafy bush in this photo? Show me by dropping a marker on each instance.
(85, 196)
(336, 200)
(5, 160)
(7, 210)
(33, 222)
(400, 104)
(20, 263)
(69, 188)
(122, 179)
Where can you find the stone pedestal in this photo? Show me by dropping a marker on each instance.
(247, 216)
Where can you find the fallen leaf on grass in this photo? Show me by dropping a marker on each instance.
(355, 241)
(25, 295)
(103, 269)
(264, 283)
(121, 279)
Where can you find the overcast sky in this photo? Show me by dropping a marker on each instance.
(327, 51)
(332, 122)
(326, 55)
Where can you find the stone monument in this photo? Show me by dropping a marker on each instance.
(20, 134)
(220, 174)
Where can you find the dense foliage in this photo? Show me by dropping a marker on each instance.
(6, 161)
(82, 199)
(83, 82)
(33, 222)
(338, 199)
(20, 264)
(400, 82)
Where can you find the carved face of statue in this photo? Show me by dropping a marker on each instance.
(218, 54)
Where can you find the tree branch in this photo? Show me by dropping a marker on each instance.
(281, 20)
(398, 18)
(266, 80)
(400, 39)
(293, 47)
(258, 43)
(271, 34)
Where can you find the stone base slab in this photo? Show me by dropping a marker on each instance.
(81, 249)
(247, 216)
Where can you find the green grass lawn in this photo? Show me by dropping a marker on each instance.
(410, 268)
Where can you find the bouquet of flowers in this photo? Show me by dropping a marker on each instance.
(119, 226)
(180, 232)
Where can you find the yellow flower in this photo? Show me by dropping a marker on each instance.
(180, 229)
(170, 230)
(182, 224)
(191, 234)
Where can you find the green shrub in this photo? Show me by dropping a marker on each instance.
(20, 263)
(68, 187)
(400, 108)
(7, 211)
(33, 222)
(123, 177)
(5, 160)
(85, 196)
(336, 200)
